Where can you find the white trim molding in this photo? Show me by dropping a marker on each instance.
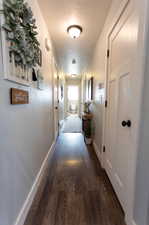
(134, 223)
(97, 151)
(129, 221)
(29, 200)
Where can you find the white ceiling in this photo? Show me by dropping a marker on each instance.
(59, 14)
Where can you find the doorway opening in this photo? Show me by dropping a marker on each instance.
(73, 100)
(72, 123)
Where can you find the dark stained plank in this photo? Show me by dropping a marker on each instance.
(78, 191)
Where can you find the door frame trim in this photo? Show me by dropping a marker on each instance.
(142, 10)
(117, 18)
(54, 64)
(121, 9)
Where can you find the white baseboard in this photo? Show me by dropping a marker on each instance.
(26, 207)
(134, 223)
(97, 151)
(129, 221)
(61, 123)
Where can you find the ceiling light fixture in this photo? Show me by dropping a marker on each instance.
(73, 61)
(73, 75)
(74, 31)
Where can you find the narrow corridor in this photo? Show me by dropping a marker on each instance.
(72, 124)
(74, 112)
(78, 191)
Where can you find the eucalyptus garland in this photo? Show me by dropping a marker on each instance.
(20, 27)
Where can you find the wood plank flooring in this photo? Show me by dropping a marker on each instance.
(78, 191)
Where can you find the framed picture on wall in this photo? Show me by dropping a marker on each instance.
(18, 55)
(62, 92)
(90, 88)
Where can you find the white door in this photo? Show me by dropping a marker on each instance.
(119, 118)
(55, 99)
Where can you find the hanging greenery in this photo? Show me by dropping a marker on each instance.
(20, 27)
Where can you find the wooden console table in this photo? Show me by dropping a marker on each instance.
(87, 125)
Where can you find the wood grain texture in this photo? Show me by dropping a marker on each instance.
(78, 191)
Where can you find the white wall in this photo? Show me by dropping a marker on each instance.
(141, 207)
(141, 211)
(26, 134)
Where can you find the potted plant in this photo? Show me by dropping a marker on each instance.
(87, 107)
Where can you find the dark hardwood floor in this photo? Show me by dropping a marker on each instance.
(78, 191)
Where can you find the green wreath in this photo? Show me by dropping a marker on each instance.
(20, 27)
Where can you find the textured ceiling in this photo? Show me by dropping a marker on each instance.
(59, 14)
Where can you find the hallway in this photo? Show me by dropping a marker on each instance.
(78, 191)
(74, 73)
(72, 124)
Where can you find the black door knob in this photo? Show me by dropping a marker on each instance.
(126, 123)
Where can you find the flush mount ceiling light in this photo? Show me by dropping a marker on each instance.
(73, 75)
(73, 61)
(74, 31)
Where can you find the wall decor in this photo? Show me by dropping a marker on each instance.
(40, 80)
(62, 92)
(18, 96)
(34, 75)
(90, 88)
(20, 47)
